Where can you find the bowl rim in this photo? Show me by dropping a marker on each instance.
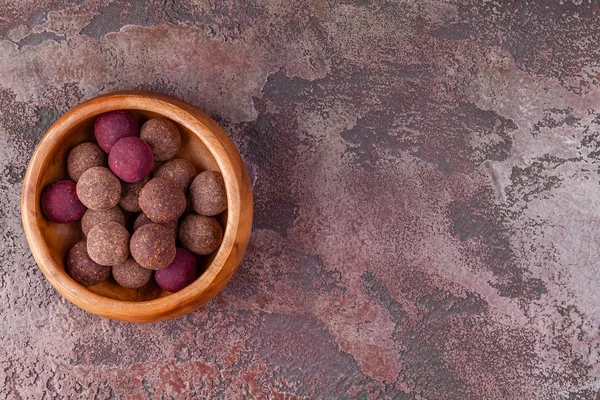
(236, 181)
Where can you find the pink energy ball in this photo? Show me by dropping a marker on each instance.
(60, 202)
(131, 159)
(112, 126)
(180, 273)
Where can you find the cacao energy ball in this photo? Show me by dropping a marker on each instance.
(130, 193)
(92, 218)
(156, 165)
(153, 246)
(163, 136)
(108, 243)
(112, 126)
(208, 194)
(130, 159)
(142, 219)
(60, 202)
(200, 234)
(83, 269)
(179, 171)
(179, 274)
(130, 274)
(83, 157)
(98, 188)
(161, 200)
(189, 208)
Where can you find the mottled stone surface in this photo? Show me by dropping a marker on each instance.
(427, 185)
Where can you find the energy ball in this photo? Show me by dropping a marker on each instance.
(130, 159)
(163, 137)
(130, 193)
(83, 157)
(112, 126)
(156, 165)
(143, 219)
(179, 171)
(189, 208)
(108, 243)
(162, 201)
(130, 274)
(200, 234)
(83, 269)
(153, 246)
(208, 193)
(91, 218)
(60, 202)
(99, 189)
(180, 273)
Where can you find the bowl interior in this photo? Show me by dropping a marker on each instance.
(61, 237)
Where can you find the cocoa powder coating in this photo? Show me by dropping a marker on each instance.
(161, 200)
(92, 218)
(130, 193)
(163, 137)
(179, 171)
(153, 246)
(83, 157)
(200, 234)
(142, 219)
(98, 188)
(130, 274)
(108, 243)
(83, 269)
(208, 194)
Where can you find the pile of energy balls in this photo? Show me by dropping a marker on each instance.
(134, 170)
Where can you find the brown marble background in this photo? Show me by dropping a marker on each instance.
(426, 176)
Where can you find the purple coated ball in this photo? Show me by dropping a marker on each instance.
(130, 159)
(112, 126)
(60, 202)
(179, 274)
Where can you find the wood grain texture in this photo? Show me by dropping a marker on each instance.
(204, 143)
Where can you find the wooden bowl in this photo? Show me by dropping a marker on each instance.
(204, 143)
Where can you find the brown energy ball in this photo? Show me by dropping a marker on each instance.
(130, 193)
(162, 136)
(91, 218)
(156, 165)
(83, 157)
(108, 243)
(200, 234)
(83, 269)
(179, 171)
(143, 219)
(130, 274)
(162, 201)
(98, 188)
(208, 193)
(153, 246)
(189, 208)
